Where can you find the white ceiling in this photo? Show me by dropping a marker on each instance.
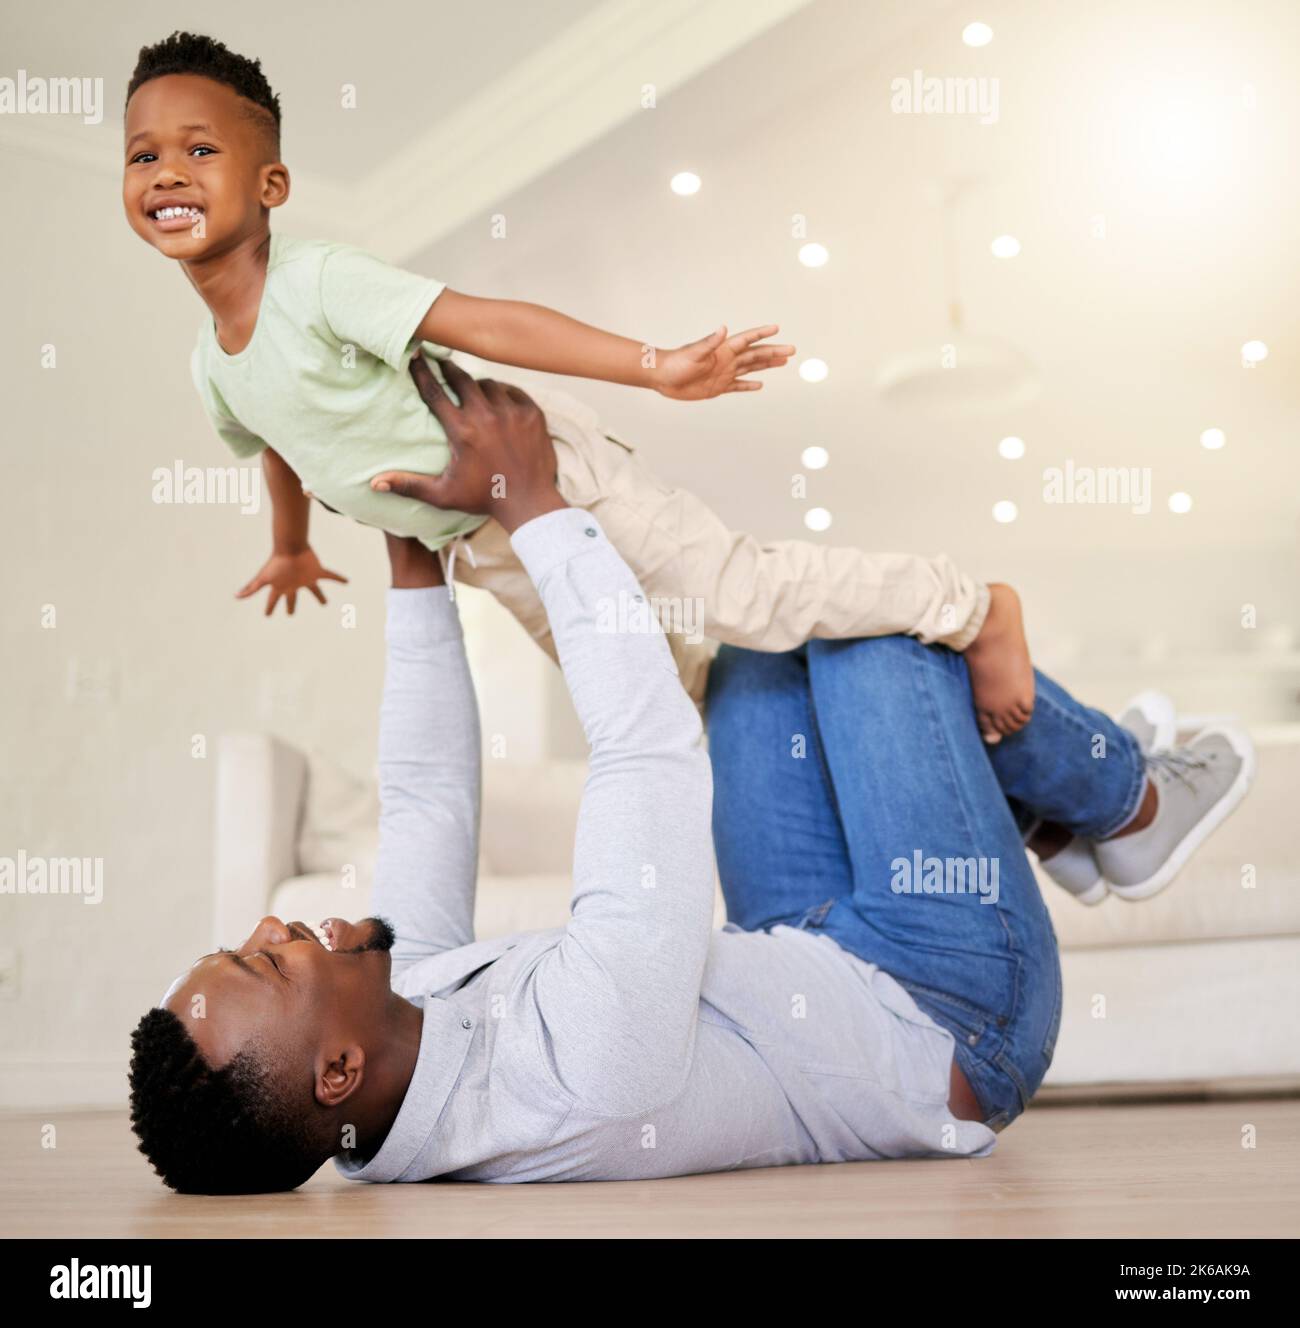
(409, 62)
(1134, 112)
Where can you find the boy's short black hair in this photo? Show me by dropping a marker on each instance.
(236, 1130)
(193, 53)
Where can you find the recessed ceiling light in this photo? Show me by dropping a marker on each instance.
(817, 518)
(1213, 439)
(1254, 351)
(815, 458)
(814, 255)
(1005, 511)
(1005, 246)
(1180, 502)
(813, 371)
(685, 182)
(977, 34)
(1011, 448)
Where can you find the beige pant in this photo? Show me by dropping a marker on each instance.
(709, 584)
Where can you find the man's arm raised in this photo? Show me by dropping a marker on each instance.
(429, 765)
(620, 994)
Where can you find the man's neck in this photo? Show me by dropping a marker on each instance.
(390, 1075)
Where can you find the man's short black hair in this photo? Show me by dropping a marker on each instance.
(236, 1130)
(193, 53)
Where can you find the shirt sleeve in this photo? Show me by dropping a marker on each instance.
(619, 996)
(429, 777)
(371, 304)
(241, 441)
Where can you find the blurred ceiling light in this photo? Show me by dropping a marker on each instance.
(817, 518)
(1254, 351)
(1005, 511)
(1213, 439)
(1011, 448)
(1180, 503)
(815, 458)
(1005, 246)
(813, 255)
(685, 182)
(813, 371)
(977, 34)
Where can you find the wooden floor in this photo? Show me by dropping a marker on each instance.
(1167, 1169)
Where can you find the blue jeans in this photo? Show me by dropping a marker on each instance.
(854, 795)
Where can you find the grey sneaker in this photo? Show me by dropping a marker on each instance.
(1151, 718)
(1198, 786)
(1075, 870)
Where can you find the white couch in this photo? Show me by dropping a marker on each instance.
(1199, 986)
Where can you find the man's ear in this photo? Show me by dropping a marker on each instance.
(340, 1076)
(275, 184)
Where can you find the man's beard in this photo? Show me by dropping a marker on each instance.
(382, 936)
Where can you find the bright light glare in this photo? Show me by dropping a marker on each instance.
(1180, 133)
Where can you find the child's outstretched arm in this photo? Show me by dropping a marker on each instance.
(292, 566)
(530, 336)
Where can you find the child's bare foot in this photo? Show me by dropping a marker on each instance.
(1001, 672)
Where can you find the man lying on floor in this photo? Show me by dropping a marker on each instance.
(838, 1016)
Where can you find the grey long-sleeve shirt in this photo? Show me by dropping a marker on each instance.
(635, 1041)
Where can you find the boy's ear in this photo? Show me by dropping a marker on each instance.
(275, 184)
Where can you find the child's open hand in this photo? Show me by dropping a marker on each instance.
(714, 365)
(287, 574)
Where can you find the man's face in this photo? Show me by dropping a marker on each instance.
(312, 1001)
(190, 144)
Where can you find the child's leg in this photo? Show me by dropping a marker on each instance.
(776, 595)
(772, 595)
(764, 596)
(710, 583)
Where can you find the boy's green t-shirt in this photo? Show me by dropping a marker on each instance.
(324, 382)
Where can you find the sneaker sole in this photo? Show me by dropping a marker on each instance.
(1095, 894)
(1207, 825)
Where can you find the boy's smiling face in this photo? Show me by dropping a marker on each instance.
(196, 145)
